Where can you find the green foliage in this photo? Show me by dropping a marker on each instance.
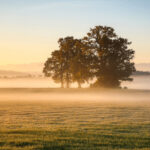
(101, 54)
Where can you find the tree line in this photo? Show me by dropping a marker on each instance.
(101, 55)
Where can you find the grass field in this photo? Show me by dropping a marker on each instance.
(54, 119)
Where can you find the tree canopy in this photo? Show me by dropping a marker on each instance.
(101, 54)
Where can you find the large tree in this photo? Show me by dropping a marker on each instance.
(114, 57)
(101, 54)
(71, 63)
(80, 63)
(58, 65)
(66, 48)
(54, 67)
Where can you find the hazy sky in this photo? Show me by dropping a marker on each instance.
(29, 29)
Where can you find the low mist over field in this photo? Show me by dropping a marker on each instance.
(74, 119)
(139, 82)
(79, 95)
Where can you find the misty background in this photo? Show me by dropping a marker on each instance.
(31, 76)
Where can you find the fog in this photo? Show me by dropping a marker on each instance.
(75, 95)
(139, 82)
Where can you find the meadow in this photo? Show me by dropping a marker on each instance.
(73, 119)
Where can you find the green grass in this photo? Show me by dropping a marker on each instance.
(74, 125)
(98, 137)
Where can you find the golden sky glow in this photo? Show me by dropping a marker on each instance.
(29, 30)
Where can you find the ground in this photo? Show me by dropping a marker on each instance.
(61, 119)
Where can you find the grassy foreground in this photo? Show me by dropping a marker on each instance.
(35, 120)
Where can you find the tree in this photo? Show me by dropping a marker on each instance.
(114, 58)
(80, 63)
(66, 48)
(71, 63)
(101, 54)
(58, 66)
(54, 67)
(76, 62)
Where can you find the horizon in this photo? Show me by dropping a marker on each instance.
(37, 67)
(31, 29)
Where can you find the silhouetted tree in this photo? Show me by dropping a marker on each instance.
(100, 54)
(80, 63)
(66, 47)
(113, 63)
(71, 63)
(54, 67)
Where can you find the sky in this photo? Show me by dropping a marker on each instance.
(30, 29)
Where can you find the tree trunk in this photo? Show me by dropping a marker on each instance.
(79, 84)
(67, 80)
(62, 84)
(67, 84)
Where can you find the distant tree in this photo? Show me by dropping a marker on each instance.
(80, 63)
(54, 67)
(76, 61)
(114, 58)
(71, 63)
(66, 47)
(101, 55)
